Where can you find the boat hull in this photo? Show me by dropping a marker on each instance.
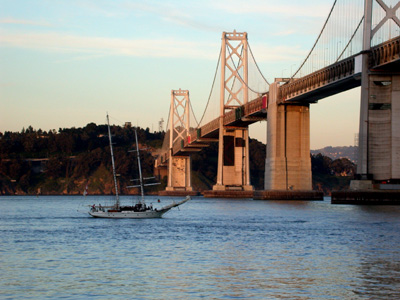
(103, 212)
(150, 214)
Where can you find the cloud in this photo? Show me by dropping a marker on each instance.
(89, 47)
(208, 8)
(191, 23)
(24, 22)
(102, 46)
(192, 15)
(271, 7)
(284, 33)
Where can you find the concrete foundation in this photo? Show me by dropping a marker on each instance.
(288, 195)
(228, 194)
(234, 189)
(361, 185)
(182, 193)
(367, 197)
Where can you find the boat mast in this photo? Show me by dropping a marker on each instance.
(140, 169)
(113, 164)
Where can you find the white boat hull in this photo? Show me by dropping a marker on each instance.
(150, 214)
(147, 214)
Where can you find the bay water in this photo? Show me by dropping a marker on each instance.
(50, 248)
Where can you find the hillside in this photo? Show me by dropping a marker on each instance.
(349, 152)
(64, 162)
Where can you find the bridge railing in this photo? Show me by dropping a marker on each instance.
(178, 145)
(194, 134)
(385, 52)
(232, 115)
(255, 105)
(317, 79)
(247, 109)
(209, 127)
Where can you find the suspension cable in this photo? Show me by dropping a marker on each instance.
(319, 36)
(212, 87)
(351, 39)
(166, 130)
(191, 108)
(251, 52)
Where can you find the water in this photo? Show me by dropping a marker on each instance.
(209, 249)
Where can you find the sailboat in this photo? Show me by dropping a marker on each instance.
(138, 211)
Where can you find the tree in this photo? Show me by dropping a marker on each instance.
(56, 166)
(321, 164)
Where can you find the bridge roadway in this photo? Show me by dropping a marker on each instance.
(334, 79)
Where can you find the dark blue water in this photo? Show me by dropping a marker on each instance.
(209, 249)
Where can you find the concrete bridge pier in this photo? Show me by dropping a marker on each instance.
(378, 167)
(233, 177)
(179, 177)
(379, 151)
(233, 164)
(288, 163)
(179, 174)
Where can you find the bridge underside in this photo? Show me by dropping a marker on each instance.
(327, 90)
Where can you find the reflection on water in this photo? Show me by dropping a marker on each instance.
(209, 249)
(380, 278)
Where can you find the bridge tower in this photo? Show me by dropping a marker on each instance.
(379, 128)
(179, 167)
(233, 145)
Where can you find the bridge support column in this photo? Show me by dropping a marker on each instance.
(233, 165)
(379, 138)
(179, 174)
(378, 168)
(288, 162)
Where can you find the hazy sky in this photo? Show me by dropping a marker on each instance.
(65, 63)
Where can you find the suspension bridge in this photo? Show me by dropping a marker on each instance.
(358, 46)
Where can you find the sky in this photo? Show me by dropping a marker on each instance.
(66, 63)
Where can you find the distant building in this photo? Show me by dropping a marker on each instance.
(161, 125)
(128, 124)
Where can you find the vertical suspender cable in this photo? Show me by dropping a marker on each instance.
(319, 36)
